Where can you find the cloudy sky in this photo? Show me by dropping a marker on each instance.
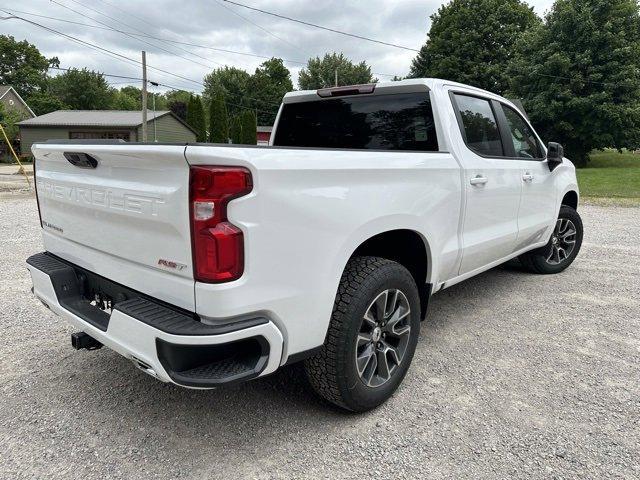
(215, 24)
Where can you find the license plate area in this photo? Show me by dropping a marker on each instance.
(86, 294)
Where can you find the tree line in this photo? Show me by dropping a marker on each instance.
(576, 71)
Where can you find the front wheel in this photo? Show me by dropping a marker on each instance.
(563, 246)
(372, 335)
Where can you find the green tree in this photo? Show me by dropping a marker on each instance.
(196, 118)
(266, 87)
(124, 101)
(578, 75)
(178, 102)
(321, 73)
(471, 41)
(218, 119)
(133, 92)
(230, 82)
(43, 102)
(178, 108)
(160, 99)
(23, 66)
(190, 112)
(249, 132)
(177, 96)
(82, 90)
(9, 117)
(235, 129)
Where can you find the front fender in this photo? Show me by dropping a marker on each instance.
(566, 181)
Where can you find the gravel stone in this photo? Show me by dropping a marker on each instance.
(515, 376)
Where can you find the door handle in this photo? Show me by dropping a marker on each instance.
(478, 180)
(527, 177)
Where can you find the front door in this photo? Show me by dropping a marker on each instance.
(537, 213)
(493, 184)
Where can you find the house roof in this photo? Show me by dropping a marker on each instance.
(96, 118)
(4, 89)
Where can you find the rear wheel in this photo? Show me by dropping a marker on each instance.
(372, 335)
(563, 246)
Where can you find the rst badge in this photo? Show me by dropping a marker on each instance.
(171, 264)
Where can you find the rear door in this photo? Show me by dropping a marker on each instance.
(493, 183)
(121, 211)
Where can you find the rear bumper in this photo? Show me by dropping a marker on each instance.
(165, 342)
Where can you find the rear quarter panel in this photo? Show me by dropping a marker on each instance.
(309, 210)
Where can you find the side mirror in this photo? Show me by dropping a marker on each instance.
(555, 153)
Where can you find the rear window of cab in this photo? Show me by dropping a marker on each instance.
(377, 122)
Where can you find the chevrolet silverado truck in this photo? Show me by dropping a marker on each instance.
(209, 264)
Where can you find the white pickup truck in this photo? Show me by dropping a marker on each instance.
(211, 264)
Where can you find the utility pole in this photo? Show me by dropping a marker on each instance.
(336, 77)
(144, 96)
(155, 131)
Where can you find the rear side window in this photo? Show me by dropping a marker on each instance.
(479, 126)
(525, 143)
(382, 122)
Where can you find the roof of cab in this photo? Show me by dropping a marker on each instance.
(409, 85)
(402, 86)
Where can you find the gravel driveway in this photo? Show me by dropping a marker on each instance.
(515, 376)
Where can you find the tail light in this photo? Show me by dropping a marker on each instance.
(218, 245)
(35, 187)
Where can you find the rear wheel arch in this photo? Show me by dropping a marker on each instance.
(406, 247)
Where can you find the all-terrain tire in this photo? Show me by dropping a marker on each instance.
(332, 372)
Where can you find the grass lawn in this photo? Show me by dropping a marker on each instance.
(610, 174)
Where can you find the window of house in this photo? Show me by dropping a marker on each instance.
(479, 126)
(525, 143)
(126, 136)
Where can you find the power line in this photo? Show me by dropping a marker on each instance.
(160, 84)
(132, 36)
(128, 59)
(113, 75)
(263, 101)
(104, 74)
(97, 47)
(162, 39)
(167, 40)
(260, 27)
(125, 58)
(108, 27)
(126, 12)
(310, 24)
(321, 27)
(69, 37)
(125, 77)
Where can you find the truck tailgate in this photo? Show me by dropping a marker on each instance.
(126, 219)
